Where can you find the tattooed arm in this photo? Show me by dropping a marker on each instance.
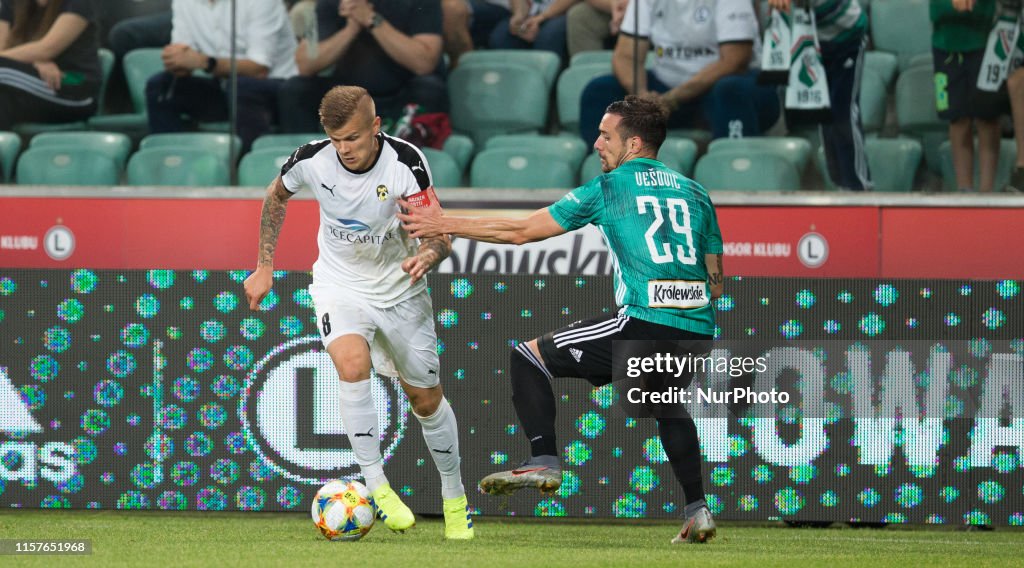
(432, 251)
(716, 275)
(258, 284)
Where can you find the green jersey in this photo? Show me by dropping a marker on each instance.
(659, 225)
(961, 32)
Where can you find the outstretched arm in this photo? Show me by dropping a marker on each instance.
(258, 284)
(430, 221)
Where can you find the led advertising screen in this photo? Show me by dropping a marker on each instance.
(162, 390)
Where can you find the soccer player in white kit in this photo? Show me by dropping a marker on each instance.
(372, 305)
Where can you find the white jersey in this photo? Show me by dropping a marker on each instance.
(361, 241)
(685, 34)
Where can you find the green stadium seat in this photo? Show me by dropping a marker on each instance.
(921, 59)
(501, 98)
(292, 141)
(188, 166)
(901, 27)
(460, 148)
(745, 171)
(114, 144)
(873, 100)
(547, 63)
(259, 167)
(796, 150)
(916, 114)
(67, 165)
(893, 163)
(443, 168)
(30, 129)
(680, 154)
(216, 143)
(520, 168)
(882, 63)
(603, 57)
(10, 145)
(138, 66)
(1007, 159)
(570, 87)
(568, 148)
(699, 135)
(591, 168)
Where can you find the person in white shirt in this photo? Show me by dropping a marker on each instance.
(705, 67)
(372, 304)
(201, 41)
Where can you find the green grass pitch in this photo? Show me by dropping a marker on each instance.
(271, 539)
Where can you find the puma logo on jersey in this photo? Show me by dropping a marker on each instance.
(367, 434)
(329, 189)
(418, 167)
(576, 354)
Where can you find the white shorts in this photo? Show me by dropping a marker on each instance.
(401, 338)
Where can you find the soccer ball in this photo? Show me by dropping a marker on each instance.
(343, 510)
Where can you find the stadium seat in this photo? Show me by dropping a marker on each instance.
(501, 98)
(520, 168)
(916, 114)
(259, 167)
(30, 129)
(546, 63)
(568, 148)
(10, 145)
(1007, 159)
(920, 59)
(280, 141)
(901, 27)
(189, 166)
(603, 57)
(591, 168)
(893, 163)
(138, 66)
(67, 165)
(570, 87)
(460, 148)
(679, 154)
(700, 136)
(216, 143)
(796, 150)
(444, 169)
(883, 63)
(873, 100)
(114, 144)
(745, 171)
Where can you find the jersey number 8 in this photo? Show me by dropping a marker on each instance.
(679, 217)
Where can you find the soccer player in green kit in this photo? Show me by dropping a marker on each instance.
(663, 232)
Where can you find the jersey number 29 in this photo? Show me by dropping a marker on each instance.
(679, 216)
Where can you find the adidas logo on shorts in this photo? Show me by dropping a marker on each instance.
(576, 354)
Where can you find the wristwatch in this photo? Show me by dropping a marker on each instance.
(376, 21)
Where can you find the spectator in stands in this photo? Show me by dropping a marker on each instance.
(150, 30)
(536, 24)
(959, 33)
(392, 48)
(49, 62)
(842, 35)
(592, 23)
(705, 67)
(264, 45)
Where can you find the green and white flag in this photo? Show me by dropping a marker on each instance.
(1002, 42)
(807, 96)
(775, 50)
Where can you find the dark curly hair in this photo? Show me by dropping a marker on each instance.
(643, 116)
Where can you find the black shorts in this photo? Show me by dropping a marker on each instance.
(584, 349)
(957, 94)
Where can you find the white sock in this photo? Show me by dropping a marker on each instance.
(359, 416)
(441, 432)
